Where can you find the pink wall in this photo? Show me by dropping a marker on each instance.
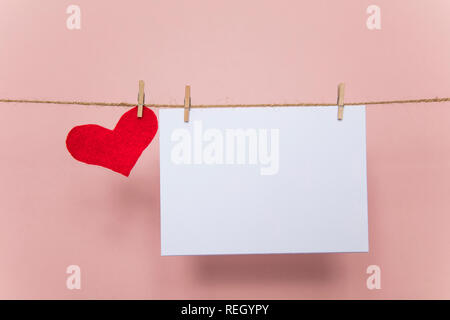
(55, 211)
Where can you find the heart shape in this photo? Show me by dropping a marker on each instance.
(117, 149)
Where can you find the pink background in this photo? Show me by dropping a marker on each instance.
(55, 211)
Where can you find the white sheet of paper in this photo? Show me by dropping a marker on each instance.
(263, 180)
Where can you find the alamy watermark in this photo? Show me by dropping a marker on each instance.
(373, 22)
(213, 146)
(74, 279)
(374, 280)
(73, 21)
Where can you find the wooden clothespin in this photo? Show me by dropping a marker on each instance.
(187, 102)
(340, 101)
(141, 98)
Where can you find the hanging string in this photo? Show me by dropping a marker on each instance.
(298, 104)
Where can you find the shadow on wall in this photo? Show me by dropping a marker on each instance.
(247, 269)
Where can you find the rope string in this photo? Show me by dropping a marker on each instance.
(299, 104)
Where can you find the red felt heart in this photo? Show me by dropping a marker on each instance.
(117, 149)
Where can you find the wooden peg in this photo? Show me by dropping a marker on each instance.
(141, 97)
(340, 101)
(187, 102)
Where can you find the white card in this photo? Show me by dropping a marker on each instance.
(263, 180)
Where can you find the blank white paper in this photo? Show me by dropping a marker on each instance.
(263, 180)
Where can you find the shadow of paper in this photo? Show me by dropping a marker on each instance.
(270, 268)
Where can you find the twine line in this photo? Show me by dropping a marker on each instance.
(298, 104)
